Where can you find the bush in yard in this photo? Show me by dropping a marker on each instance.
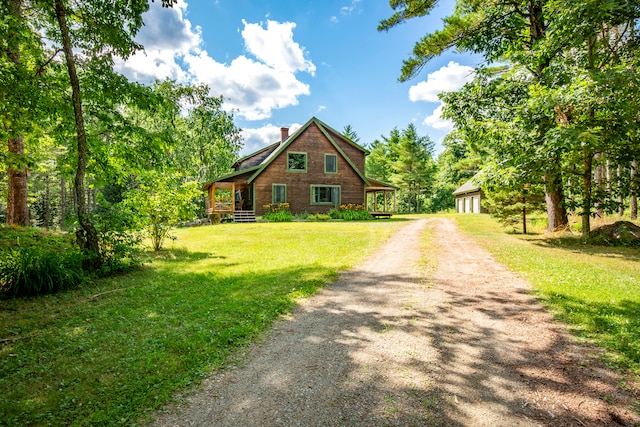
(159, 206)
(31, 271)
(120, 243)
(350, 212)
(277, 212)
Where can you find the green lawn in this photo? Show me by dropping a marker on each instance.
(594, 289)
(108, 353)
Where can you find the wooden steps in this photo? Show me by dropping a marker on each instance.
(244, 216)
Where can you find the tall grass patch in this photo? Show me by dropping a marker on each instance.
(109, 354)
(594, 289)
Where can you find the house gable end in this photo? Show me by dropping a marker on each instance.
(325, 130)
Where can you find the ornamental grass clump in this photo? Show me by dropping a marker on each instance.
(31, 271)
(350, 212)
(277, 212)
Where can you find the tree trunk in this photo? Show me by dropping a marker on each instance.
(633, 202)
(63, 201)
(87, 235)
(599, 185)
(554, 198)
(620, 198)
(47, 202)
(17, 207)
(586, 199)
(609, 181)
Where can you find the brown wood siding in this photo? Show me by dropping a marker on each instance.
(313, 142)
(356, 155)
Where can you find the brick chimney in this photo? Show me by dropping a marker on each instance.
(284, 134)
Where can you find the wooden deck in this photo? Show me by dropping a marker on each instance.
(381, 214)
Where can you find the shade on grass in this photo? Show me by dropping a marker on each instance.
(108, 353)
(594, 289)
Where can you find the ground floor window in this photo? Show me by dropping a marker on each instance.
(279, 193)
(325, 194)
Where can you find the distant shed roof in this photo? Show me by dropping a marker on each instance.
(468, 187)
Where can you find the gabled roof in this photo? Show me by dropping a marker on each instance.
(468, 187)
(266, 151)
(280, 147)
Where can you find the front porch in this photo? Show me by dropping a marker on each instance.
(231, 199)
(225, 198)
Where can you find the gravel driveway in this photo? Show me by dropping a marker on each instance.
(398, 341)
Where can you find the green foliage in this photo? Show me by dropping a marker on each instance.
(404, 158)
(120, 243)
(301, 215)
(109, 354)
(507, 205)
(350, 212)
(560, 111)
(277, 213)
(350, 133)
(32, 271)
(320, 217)
(162, 203)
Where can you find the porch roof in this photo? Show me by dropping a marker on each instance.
(377, 185)
(233, 177)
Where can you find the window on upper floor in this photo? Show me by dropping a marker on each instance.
(330, 163)
(296, 162)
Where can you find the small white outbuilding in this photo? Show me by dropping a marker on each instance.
(469, 197)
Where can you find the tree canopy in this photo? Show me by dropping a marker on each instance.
(556, 102)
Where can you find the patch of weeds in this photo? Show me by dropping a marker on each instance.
(392, 409)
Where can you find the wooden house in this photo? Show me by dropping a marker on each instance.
(469, 197)
(313, 170)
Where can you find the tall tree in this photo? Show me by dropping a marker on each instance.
(14, 90)
(405, 159)
(351, 133)
(100, 32)
(499, 30)
(414, 168)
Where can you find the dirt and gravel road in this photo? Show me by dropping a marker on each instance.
(398, 341)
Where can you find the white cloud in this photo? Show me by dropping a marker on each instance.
(255, 139)
(436, 121)
(447, 79)
(346, 11)
(166, 37)
(253, 87)
(275, 46)
(250, 87)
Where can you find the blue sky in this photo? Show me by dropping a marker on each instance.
(280, 62)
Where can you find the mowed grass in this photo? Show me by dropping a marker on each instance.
(594, 289)
(109, 353)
